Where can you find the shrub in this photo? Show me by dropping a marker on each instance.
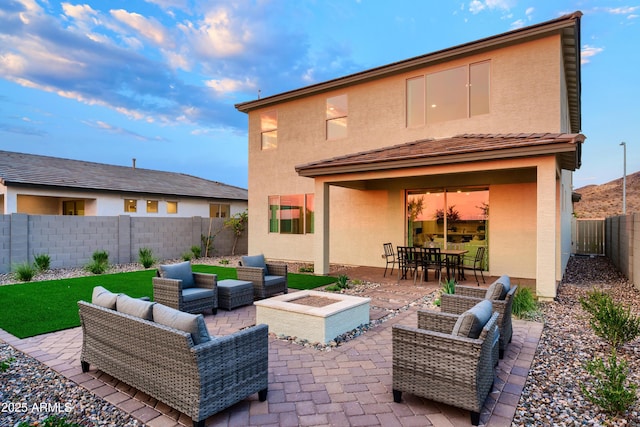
(306, 269)
(446, 287)
(25, 272)
(4, 365)
(42, 261)
(51, 421)
(186, 256)
(342, 283)
(196, 251)
(145, 256)
(523, 302)
(99, 262)
(609, 389)
(610, 320)
(224, 261)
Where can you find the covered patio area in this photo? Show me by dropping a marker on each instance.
(349, 385)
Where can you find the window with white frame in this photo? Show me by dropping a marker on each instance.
(291, 214)
(269, 130)
(336, 113)
(456, 93)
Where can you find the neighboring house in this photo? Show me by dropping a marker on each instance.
(42, 185)
(488, 132)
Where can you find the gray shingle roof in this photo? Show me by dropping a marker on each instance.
(44, 171)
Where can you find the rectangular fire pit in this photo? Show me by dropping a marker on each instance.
(315, 316)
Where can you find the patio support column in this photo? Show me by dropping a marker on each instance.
(321, 230)
(546, 231)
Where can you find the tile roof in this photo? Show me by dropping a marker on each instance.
(44, 171)
(457, 149)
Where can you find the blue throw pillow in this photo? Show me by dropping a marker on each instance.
(181, 271)
(254, 261)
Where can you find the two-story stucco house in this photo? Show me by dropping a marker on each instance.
(44, 185)
(487, 132)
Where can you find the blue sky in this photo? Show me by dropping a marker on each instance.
(157, 80)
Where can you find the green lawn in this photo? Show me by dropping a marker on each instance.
(35, 308)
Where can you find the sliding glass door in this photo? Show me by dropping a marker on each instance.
(450, 218)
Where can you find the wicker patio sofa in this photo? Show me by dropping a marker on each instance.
(179, 365)
(178, 287)
(500, 293)
(442, 359)
(268, 279)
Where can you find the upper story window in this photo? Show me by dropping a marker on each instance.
(269, 129)
(456, 93)
(337, 111)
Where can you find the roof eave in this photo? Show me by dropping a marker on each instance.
(516, 36)
(311, 171)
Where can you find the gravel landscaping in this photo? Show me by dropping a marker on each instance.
(551, 396)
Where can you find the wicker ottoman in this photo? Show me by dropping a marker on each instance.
(234, 293)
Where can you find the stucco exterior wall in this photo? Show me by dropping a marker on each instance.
(49, 202)
(523, 99)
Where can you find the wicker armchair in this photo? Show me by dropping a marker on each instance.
(268, 279)
(500, 293)
(434, 362)
(178, 287)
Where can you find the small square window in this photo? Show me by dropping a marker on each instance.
(152, 206)
(130, 205)
(172, 207)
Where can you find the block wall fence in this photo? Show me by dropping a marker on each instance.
(622, 245)
(71, 240)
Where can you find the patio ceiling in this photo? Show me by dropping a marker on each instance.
(458, 149)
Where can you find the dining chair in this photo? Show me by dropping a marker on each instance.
(390, 257)
(476, 264)
(406, 261)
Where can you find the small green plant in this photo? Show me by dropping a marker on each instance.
(42, 262)
(186, 256)
(207, 244)
(4, 365)
(341, 283)
(24, 272)
(51, 421)
(609, 389)
(523, 302)
(145, 256)
(224, 261)
(446, 287)
(610, 320)
(99, 262)
(306, 269)
(196, 251)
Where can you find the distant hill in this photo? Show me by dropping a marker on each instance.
(601, 201)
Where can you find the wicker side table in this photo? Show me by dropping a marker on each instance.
(234, 293)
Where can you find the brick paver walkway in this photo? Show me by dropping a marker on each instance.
(348, 386)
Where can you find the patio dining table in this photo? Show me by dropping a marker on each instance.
(454, 260)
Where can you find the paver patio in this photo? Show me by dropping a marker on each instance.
(350, 385)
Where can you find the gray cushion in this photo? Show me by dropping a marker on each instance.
(273, 280)
(181, 271)
(192, 294)
(506, 285)
(471, 322)
(254, 261)
(135, 307)
(104, 298)
(191, 323)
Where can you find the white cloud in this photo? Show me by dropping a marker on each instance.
(149, 29)
(476, 6)
(623, 10)
(225, 85)
(78, 12)
(518, 23)
(589, 52)
(219, 34)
